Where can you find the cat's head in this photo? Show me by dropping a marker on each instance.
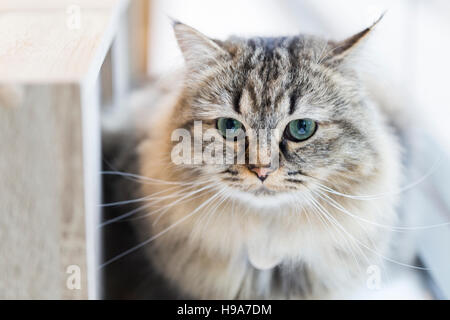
(302, 90)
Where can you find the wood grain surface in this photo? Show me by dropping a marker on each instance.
(50, 153)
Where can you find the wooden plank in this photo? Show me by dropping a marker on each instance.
(106, 73)
(50, 146)
(50, 190)
(33, 5)
(42, 48)
(47, 46)
(41, 194)
(91, 132)
(120, 55)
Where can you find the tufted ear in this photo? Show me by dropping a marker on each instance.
(198, 50)
(341, 49)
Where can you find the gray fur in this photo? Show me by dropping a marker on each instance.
(265, 83)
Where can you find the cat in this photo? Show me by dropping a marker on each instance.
(305, 227)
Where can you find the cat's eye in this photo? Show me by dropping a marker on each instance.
(232, 125)
(300, 130)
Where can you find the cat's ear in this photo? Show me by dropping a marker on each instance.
(341, 49)
(198, 50)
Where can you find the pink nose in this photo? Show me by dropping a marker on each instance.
(262, 172)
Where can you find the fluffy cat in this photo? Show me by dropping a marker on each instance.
(308, 227)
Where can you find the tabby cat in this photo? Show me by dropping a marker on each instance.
(304, 226)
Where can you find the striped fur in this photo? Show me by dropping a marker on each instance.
(276, 242)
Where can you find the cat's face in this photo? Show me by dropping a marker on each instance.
(315, 123)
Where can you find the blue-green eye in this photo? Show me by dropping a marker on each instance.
(224, 124)
(300, 130)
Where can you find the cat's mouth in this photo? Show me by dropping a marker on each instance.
(264, 191)
(261, 190)
(263, 196)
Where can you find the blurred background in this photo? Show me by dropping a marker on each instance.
(64, 64)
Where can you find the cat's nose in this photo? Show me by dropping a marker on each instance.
(262, 172)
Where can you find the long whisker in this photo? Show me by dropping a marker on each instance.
(338, 206)
(351, 246)
(147, 205)
(339, 225)
(125, 215)
(123, 254)
(223, 198)
(383, 194)
(187, 196)
(139, 178)
(165, 208)
(119, 203)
